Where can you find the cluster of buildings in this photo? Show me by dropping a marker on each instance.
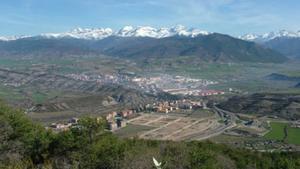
(81, 77)
(183, 91)
(58, 127)
(204, 82)
(115, 121)
(177, 85)
(164, 81)
(99, 78)
(169, 106)
(118, 120)
(194, 92)
(145, 80)
(296, 124)
(13, 84)
(172, 84)
(210, 92)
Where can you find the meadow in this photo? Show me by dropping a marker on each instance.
(278, 133)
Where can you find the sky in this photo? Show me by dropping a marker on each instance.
(234, 17)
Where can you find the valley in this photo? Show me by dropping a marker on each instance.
(122, 84)
(55, 91)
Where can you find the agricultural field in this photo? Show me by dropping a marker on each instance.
(291, 135)
(132, 130)
(170, 127)
(277, 131)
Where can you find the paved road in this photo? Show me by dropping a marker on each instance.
(219, 130)
(211, 131)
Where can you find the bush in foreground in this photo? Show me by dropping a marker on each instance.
(25, 144)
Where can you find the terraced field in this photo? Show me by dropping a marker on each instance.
(174, 127)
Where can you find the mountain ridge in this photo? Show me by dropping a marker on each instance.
(261, 38)
(127, 31)
(212, 47)
(152, 32)
(285, 42)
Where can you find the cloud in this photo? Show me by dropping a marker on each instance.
(223, 15)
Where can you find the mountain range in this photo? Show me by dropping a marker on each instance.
(147, 31)
(127, 31)
(140, 43)
(285, 42)
(270, 36)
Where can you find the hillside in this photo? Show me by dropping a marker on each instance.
(278, 76)
(287, 46)
(25, 144)
(107, 97)
(214, 48)
(284, 41)
(208, 48)
(281, 105)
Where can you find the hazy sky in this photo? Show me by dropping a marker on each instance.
(235, 17)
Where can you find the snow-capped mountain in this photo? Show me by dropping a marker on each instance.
(269, 36)
(10, 38)
(80, 33)
(127, 31)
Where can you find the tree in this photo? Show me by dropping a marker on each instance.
(91, 127)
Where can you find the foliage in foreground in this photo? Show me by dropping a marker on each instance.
(24, 144)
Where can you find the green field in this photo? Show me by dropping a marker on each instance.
(277, 133)
(293, 135)
(132, 130)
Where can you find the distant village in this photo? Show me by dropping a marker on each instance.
(177, 85)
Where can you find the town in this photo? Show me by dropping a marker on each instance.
(177, 85)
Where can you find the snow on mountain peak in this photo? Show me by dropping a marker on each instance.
(80, 33)
(179, 28)
(147, 31)
(271, 35)
(127, 31)
(130, 31)
(10, 38)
